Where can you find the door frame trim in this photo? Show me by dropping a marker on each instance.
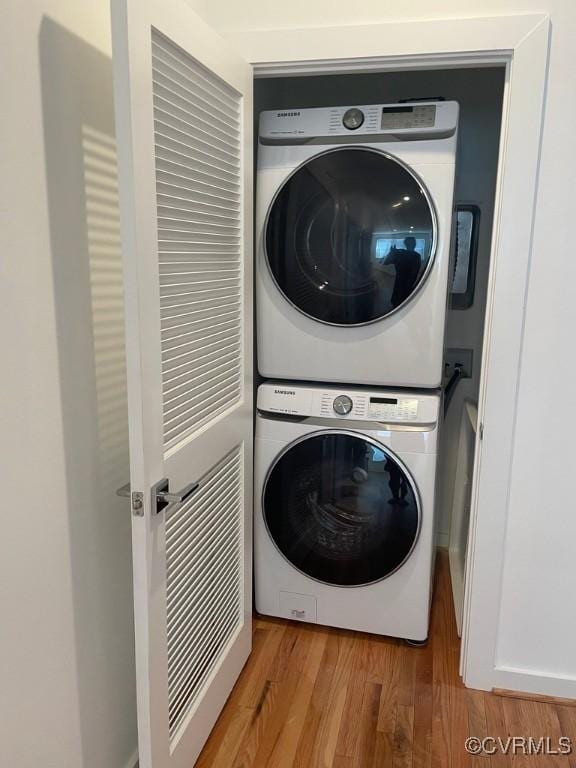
(520, 44)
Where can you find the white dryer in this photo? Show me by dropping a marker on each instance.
(344, 507)
(354, 213)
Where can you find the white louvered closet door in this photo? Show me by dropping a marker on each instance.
(184, 140)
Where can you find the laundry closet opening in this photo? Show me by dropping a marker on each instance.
(479, 93)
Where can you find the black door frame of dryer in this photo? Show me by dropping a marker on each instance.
(350, 236)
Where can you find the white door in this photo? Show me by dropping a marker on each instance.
(184, 136)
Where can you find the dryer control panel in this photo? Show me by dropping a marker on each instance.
(417, 120)
(393, 408)
(382, 406)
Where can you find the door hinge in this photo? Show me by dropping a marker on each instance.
(481, 431)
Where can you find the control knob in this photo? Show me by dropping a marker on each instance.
(342, 405)
(353, 119)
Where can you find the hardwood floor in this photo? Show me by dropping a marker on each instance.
(314, 696)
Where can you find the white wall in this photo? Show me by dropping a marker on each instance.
(66, 641)
(67, 676)
(538, 623)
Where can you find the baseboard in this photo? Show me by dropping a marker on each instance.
(558, 700)
(442, 539)
(527, 682)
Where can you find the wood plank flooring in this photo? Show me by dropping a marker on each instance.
(314, 696)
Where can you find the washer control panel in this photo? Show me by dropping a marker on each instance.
(387, 407)
(337, 404)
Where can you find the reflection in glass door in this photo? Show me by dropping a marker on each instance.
(350, 236)
(341, 508)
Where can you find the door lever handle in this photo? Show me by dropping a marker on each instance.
(161, 496)
(124, 491)
(164, 498)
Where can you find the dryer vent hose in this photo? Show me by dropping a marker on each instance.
(450, 387)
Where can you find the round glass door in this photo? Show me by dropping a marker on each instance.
(341, 509)
(350, 236)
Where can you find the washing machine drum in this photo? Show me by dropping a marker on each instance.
(350, 236)
(341, 509)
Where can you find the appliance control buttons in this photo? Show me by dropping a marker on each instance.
(342, 405)
(353, 119)
(405, 409)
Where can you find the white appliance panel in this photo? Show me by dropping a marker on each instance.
(374, 405)
(423, 119)
(397, 605)
(398, 347)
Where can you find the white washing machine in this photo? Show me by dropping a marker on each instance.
(353, 222)
(344, 506)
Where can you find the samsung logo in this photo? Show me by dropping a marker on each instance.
(287, 114)
(284, 392)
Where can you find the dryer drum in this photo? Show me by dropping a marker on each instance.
(350, 236)
(341, 509)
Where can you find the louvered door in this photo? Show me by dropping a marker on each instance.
(184, 114)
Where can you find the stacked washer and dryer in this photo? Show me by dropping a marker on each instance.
(353, 224)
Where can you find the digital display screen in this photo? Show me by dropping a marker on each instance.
(420, 116)
(396, 110)
(386, 400)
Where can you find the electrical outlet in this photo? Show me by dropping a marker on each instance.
(454, 358)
